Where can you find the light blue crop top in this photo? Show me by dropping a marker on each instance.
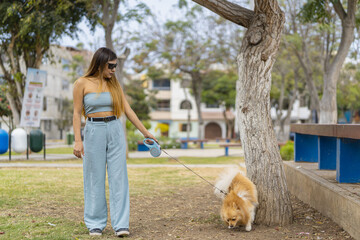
(97, 102)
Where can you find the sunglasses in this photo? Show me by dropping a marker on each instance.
(112, 65)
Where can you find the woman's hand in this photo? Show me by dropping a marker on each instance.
(149, 135)
(78, 149)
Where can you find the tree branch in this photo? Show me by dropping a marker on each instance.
(230, 11)
(5, 72)
(115, 11)
(352, 7)
(339, 9)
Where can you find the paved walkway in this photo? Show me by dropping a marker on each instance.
(218, 152)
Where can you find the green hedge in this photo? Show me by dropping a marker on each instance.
(287, 151)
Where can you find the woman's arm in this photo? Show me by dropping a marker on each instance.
(78, 95)
(131, 115)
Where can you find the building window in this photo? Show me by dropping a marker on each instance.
(44, 104)
(163, 105)
(185, 105)
(161, 84)
(183, 127)
(215, 105)
(47, 125)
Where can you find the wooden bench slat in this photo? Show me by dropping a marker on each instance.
(328, 130)
(230, 145)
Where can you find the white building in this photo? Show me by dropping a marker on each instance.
(58, 88)
(172, 99)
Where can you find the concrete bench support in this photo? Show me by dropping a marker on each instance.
(327, 153)
(227, 145)
(184, 145)
(306, 148)
(348, 160)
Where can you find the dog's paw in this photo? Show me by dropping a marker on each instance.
(248, 227)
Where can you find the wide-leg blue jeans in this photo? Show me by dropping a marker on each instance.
(105, 147)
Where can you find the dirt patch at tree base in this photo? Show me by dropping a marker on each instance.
(193, 213)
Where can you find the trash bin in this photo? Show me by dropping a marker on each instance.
(19, 140)
(36, 140)
(4, 141)
(69, 138)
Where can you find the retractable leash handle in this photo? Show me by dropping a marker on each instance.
(155, 149)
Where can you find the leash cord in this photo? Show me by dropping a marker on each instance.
(223, 192)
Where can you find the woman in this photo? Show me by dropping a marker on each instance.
(99, 97)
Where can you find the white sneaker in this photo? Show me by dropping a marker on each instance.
(122, 232)
(95, 232)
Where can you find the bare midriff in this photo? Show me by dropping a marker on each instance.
(101, 114)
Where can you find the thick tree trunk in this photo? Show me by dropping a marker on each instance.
(120, 69)
(229, 124)
(255, 61)
(328, 104)
(263, 161)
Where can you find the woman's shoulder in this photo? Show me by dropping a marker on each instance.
(81, 81)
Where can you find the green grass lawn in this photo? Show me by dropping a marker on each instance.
(48, 203)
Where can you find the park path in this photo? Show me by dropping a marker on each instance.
(206, 152)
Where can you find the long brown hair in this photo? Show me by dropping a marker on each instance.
(96, 69)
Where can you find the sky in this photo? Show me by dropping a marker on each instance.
(162, 9)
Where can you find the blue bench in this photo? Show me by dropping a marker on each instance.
(184, 142)
(332, 146)
(227, 145)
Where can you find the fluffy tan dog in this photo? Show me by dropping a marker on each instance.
(240, 202)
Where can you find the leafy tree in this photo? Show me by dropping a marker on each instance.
(285, 89)
(110, 12)
(348, 90)
(184, 47)
(320, 12)
(307, 41)
(27, 28)
(139, 101)
(220, 88)
(255, 61)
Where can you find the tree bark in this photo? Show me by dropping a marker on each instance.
(328, 103)
(120, 69)
(262, 157)
(229, 124)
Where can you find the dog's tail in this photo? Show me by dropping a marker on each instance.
(224, 181)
